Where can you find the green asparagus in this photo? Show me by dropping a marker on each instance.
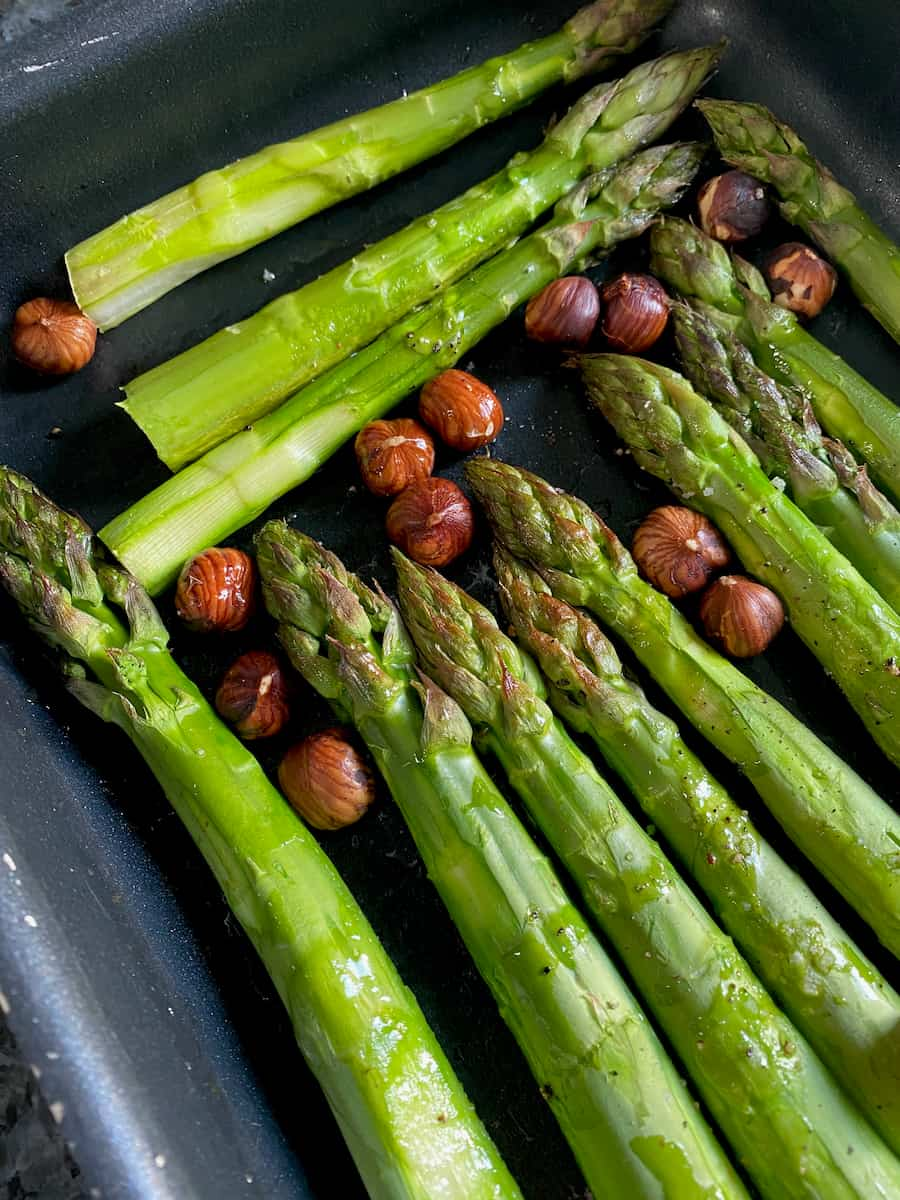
(123, 268)
(628, 1118)
(401, 1109)
(832, 816)
(196, 400)
(847, 407)
(237, 481)
(749, 137)
(834, 995)
(823, 478)
(778, 1107)
(678, 436)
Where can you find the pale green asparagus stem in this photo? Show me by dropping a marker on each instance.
(237, 481)
(227, 382)
(832, 816)
(751, 138)
(123, 268)
(402, 1111)
(836, 997)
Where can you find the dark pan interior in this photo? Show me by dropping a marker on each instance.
(136, 993)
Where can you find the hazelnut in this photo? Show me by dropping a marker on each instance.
(462, 411)
(800, 279)
(565, 312)
(678, 550)
(326, 780)
(636, 311)
(732, 207)
(53, 337)
(252, 696)
(393, 454)
(431, 522)
(215, 590)
(741, 615)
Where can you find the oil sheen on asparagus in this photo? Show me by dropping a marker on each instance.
(405, 1117)
(629, 1120)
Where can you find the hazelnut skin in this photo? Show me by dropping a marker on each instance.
(462, 411)
(326, 780)
(393, 454)
(432, 522)
(741, 615)
(678, 550)
(53, 337)
(252, 696)
(800, 279)
(215, 590)
(636, 309)
(564, 313)
(732, 207)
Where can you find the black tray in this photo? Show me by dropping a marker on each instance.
(154, 1027)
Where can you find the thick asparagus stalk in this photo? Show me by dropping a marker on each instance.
(238, 481)
(777, 422)
(847, 407)
(123, 268)
(403, 1113)
(678, 436)
(751, 138)
(599, 1064)
(225, 383)
(776, 1104)
(834, 995)
(833, 817)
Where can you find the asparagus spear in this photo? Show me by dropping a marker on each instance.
(678, 436)
(753, 139)
(237, 481)
(221, 385)
(834, 995)
(832, 816)
(401, 1109)
(599, 1064)
(123, 268)
(824, 479)
(847, 407)
(778, 1107)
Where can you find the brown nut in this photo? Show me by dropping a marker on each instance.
(678, 550)
(53, 337)
(393, 454)
(636, 311)
(215, 590)
(565, 312)
(252, 696)
(800, 279)
(462, 411)
(326, 780)
(431, 522)
(741, 615)
(732, 207)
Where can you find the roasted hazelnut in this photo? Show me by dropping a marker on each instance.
(461, 410)
(565, 312)
(636, 309)
(678, 550)
(326, 780)
(800, 279)
(732, 207)
(741, 615)
(53, 337)
(431, 522)
(252, 696)
(393, 454)
(215, 590)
